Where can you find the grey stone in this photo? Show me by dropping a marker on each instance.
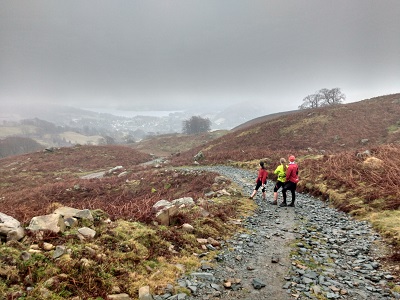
(59, 251)
(87, 232)
(69, 212)
(11, 228)
(52, 222)
(144, 293)
(257, 283)
(203, 275)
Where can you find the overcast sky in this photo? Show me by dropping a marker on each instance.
(171, 54)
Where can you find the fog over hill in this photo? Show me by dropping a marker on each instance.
(54, 125)
(225, 117)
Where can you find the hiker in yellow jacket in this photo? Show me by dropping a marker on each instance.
(281, 172)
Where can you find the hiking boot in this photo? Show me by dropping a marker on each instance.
(274, 202)
(251, 198)
(283, 204)
(291, 204)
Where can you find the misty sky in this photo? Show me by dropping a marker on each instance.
(169, 55)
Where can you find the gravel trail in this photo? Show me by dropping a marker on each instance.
(311, 251)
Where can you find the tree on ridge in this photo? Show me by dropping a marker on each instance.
(324, 97)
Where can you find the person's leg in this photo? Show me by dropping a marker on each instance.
(293, 190)
(284, 189)
(263, 193)
(278, 184)
(255, 189)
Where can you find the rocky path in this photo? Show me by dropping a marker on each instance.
(310, 251)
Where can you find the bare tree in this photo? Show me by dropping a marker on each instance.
(332, 96)
(311, 101)
(196, 124)
(324, 97)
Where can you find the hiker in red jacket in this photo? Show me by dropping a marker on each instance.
(261, 181)
(292, 179)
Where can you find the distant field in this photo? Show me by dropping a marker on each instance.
(73, 137)
(16, 130)
(76, 138)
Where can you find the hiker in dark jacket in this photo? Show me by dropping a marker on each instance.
(292, 179)
(261, 181)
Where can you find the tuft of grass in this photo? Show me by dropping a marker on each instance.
(396, 289)
(388, 223)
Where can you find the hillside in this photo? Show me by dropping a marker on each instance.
(348, 156)
(262, 119)
(33, 183)
(174, 144)
(120, 191)
(355, 126)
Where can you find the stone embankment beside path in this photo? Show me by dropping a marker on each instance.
(311, 251)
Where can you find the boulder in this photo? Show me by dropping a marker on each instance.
(160, 205)
(165, 210)
(52, 222)
(221, 179)
(69, 212)
(186, 201)
(144, 293)
(165, 215)
(11, 228)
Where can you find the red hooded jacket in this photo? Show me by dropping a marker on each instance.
(292, 173)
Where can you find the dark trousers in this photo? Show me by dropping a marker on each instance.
(289, 186)
(278, 185)
(259, 183)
